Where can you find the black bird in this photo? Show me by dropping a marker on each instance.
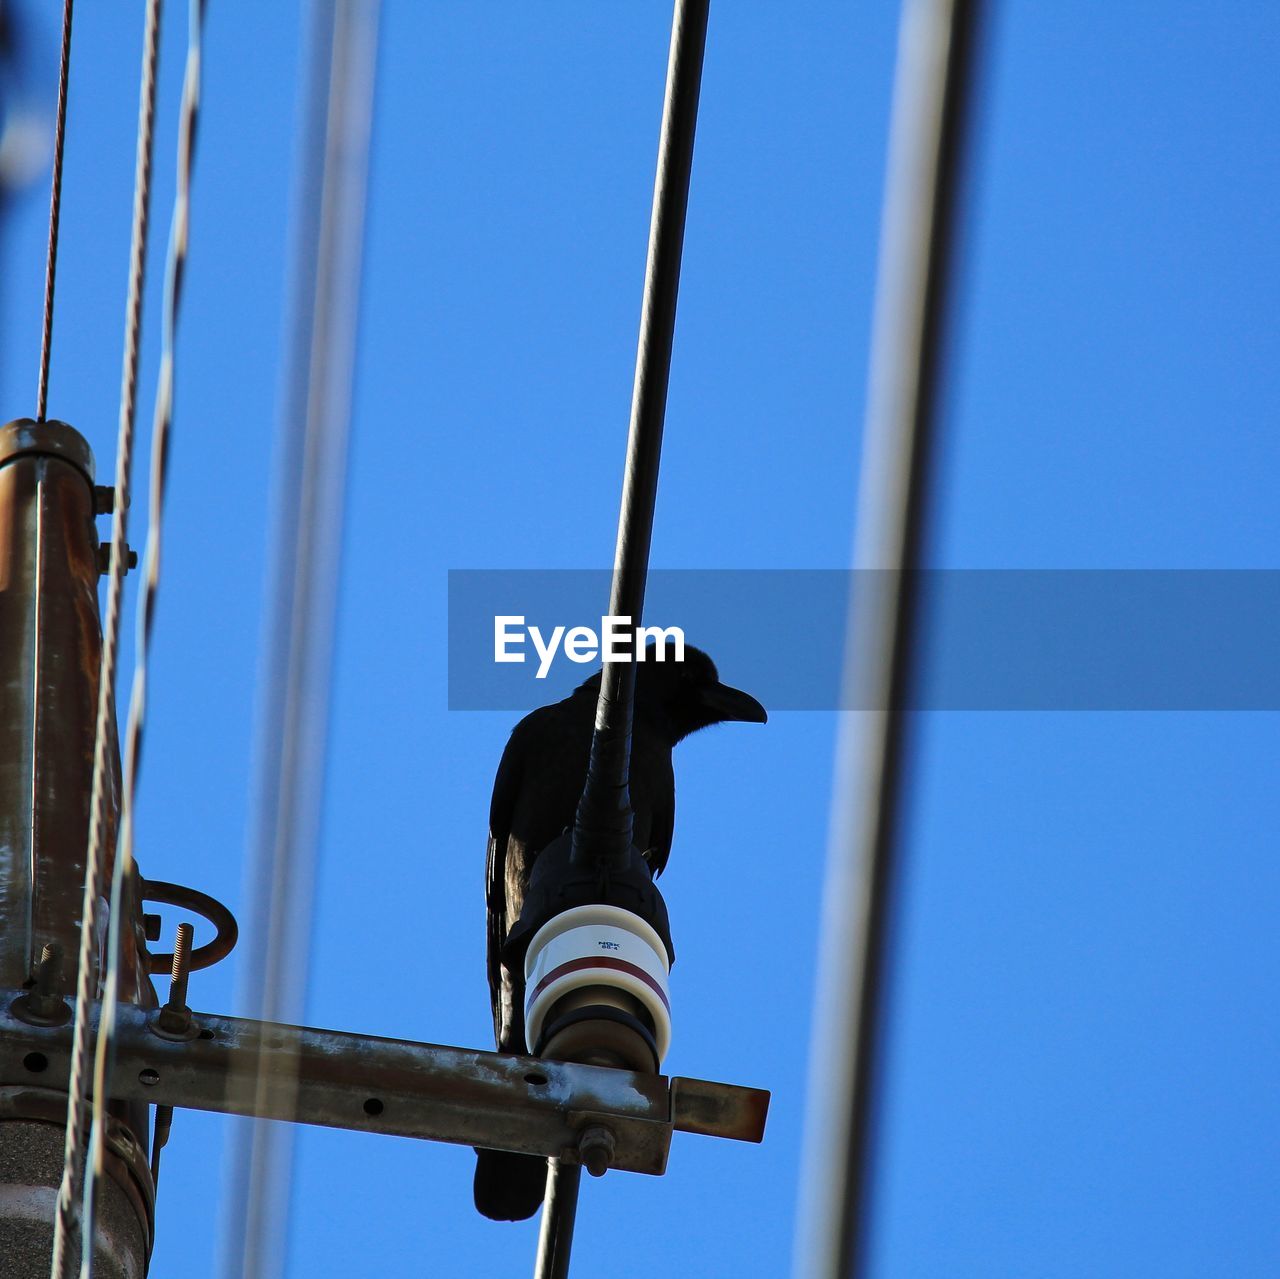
(535, 796)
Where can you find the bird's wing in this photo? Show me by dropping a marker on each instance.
(505, 788)
(495, 929)
(662, 823)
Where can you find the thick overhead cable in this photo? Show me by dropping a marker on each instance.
(66, 1221)
(559, 1211)
(122, 868)
(603, 823)
(55, 210)
(931, 99)
(310, 491)
(602, 829)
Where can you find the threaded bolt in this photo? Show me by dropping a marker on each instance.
(44, 1000)
(595, 1149)
(181, 965)
(49, 969)
(43, 1005)
(175, 1016)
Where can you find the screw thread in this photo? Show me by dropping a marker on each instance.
(49, 969)
(181, 965)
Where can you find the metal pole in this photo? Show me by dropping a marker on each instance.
(602, 828)
(559, 1211)
(50, 650)
(310, 491)
(931, 97)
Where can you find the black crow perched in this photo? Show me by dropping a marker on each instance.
(535, 796)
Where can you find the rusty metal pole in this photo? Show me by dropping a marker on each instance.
(50, 653)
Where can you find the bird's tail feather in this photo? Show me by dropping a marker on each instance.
(509, 1187)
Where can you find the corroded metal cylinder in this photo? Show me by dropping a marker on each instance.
(31, 1151)
(50, 658)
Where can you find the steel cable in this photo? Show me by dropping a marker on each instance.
(66, 1219)
(161, 424)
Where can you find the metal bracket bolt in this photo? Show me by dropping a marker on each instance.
(175, 1016)
(595, 1149)
(104, 557)
(43, 1003)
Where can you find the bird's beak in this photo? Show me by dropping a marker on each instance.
(733, 705)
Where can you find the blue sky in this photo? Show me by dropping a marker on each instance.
(1083, 1032)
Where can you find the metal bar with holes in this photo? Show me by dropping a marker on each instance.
(389, 1086)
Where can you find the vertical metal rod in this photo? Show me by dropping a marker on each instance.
(602, 828)
(931, 100)
(559, 1211)
(310, 496)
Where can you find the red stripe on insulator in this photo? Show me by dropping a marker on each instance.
(601, 961)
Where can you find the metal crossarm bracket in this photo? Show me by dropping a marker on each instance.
(393, 1086)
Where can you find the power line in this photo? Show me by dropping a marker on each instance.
(55, 211)
(73, 1162)
(555, 1238)
(931, 98)
(602, 828)
(295, 678)
(161, 422)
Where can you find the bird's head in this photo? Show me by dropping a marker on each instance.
(678, 698)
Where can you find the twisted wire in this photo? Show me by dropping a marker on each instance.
(66, 1220)
(162, 422)
(55, 213)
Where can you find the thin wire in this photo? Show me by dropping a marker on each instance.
(66, 1221)
(55, 212)
(161, 423)
(932, 95)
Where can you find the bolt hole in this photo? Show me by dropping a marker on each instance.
(36, 1062)
(373, 1106)
(148, 1077)
(206, 1034)
(536, 1078)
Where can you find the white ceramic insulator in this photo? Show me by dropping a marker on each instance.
(597, 946)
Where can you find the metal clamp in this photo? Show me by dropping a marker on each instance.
(158, 890)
